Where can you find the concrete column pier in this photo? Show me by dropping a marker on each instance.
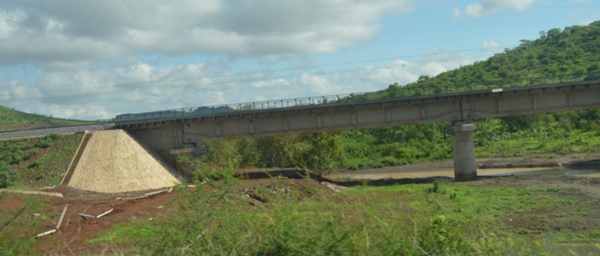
(465, 167)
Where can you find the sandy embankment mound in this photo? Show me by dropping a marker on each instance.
(113, 162)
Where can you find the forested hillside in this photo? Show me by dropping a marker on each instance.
(573, 50)
(11, 120)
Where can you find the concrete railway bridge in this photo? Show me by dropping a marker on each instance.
(175, 132)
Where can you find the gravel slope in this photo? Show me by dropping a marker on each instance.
(113, 162)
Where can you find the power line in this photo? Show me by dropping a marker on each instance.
(246, 73)
(94, 90)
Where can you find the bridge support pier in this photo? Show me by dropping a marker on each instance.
(465, 167)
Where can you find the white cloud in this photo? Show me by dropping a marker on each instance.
(67, 31)
(90, 111)
(487, 7)
(138, 86)
(76, 57)
(89, 58)
(490, 46)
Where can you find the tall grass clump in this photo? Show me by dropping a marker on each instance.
(220, 219)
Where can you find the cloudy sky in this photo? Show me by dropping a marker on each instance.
(96, 59)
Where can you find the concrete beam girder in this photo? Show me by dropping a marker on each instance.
(317, 118)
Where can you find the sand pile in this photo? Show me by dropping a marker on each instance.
(113, 162)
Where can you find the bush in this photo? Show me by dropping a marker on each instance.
(31, 153)
(53, 136)
(15, 158)
(355, 164)
(35, 164)
(391, 161)
(43, 143)
(7, 176)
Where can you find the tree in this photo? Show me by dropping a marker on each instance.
(280, 151)
(324, 150)
(221, 153)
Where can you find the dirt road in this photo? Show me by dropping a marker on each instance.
(587, 165)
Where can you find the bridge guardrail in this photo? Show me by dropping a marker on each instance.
(404, 92)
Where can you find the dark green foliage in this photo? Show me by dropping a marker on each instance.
(43, 144)
(16, 157)
(35, 164)
(22, 159)
(47, 140)
(31, 153)
(324, 150)
(8, 176)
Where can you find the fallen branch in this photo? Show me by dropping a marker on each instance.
(134, 197)
(156, 192)
(104, 214)
(26, 192)
(45, 233)
(62, 215)
(149, 194)
(86, 216)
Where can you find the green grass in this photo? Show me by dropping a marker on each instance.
(16, 225)
(435, 219)
(558, 142)
(36, 162)
(11, 119)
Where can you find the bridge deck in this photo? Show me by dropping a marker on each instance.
(406, 94)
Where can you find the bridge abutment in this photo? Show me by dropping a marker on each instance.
(463, 151)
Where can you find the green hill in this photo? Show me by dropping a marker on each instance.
(574, 50)
(12, 120)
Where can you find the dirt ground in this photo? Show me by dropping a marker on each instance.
(538, 164)
(75, 230)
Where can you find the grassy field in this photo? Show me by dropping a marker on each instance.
(285, 216)
(492, 217)
(36, 162)
(11, 120)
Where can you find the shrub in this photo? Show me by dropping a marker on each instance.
(53, 136)
(391, 161)
(31, 153)
(8, 176)
(35, 164)
(16, 157)
(43, 143)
